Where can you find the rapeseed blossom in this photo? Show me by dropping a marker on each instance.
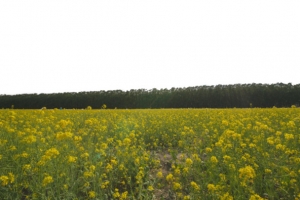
(184, 154)
(116, 194)
(195, 186)
(214, 159)
(150, 188)
(47, 180)
(211, 187)
(188, 162)
(256, 197)
(92, 194)
(4, 180)
(246, 174)
(176, 186)
(72, 159)
(53, 152)
(26, 167)
(226, 196)
(159, 174)
(169, 177)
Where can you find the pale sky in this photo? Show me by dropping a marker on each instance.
(90, 45)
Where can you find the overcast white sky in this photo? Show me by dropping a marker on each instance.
(91, 45)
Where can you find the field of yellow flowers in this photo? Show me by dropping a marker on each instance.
(150, 154)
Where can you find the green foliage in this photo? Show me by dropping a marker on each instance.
(219, 96)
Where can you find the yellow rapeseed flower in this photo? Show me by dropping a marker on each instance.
(211, 187)
(29, 139)
(108, 167)
(116, 194)
(85, 155)
(188, 162)
(92, 194)
(53, 152)
(226, 158)
(88, 174)
(187, 197)
(255, 197)
(176, 186)
(268, 171)
(26, 167)
(288, 136)
(169, 177)
(214, 159)
(47, 180)
(177, 171)
(246, 173)
(124, 195)
(126, 142)
(72, 159)
(12, 148)
(226, 196)
(185, 170)
(104, 184)
(150, 188)
(24, 155)
(208, 150)
(159, 174)
(4, 180)
(195, 186)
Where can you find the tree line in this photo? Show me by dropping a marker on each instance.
(218, 96)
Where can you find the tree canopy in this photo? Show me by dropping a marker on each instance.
(218, 96)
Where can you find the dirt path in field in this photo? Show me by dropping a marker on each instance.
(166, 162)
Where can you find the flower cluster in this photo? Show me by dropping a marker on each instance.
(150, 154)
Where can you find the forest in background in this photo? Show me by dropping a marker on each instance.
(218, 96)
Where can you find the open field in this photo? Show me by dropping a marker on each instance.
(150, 154)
